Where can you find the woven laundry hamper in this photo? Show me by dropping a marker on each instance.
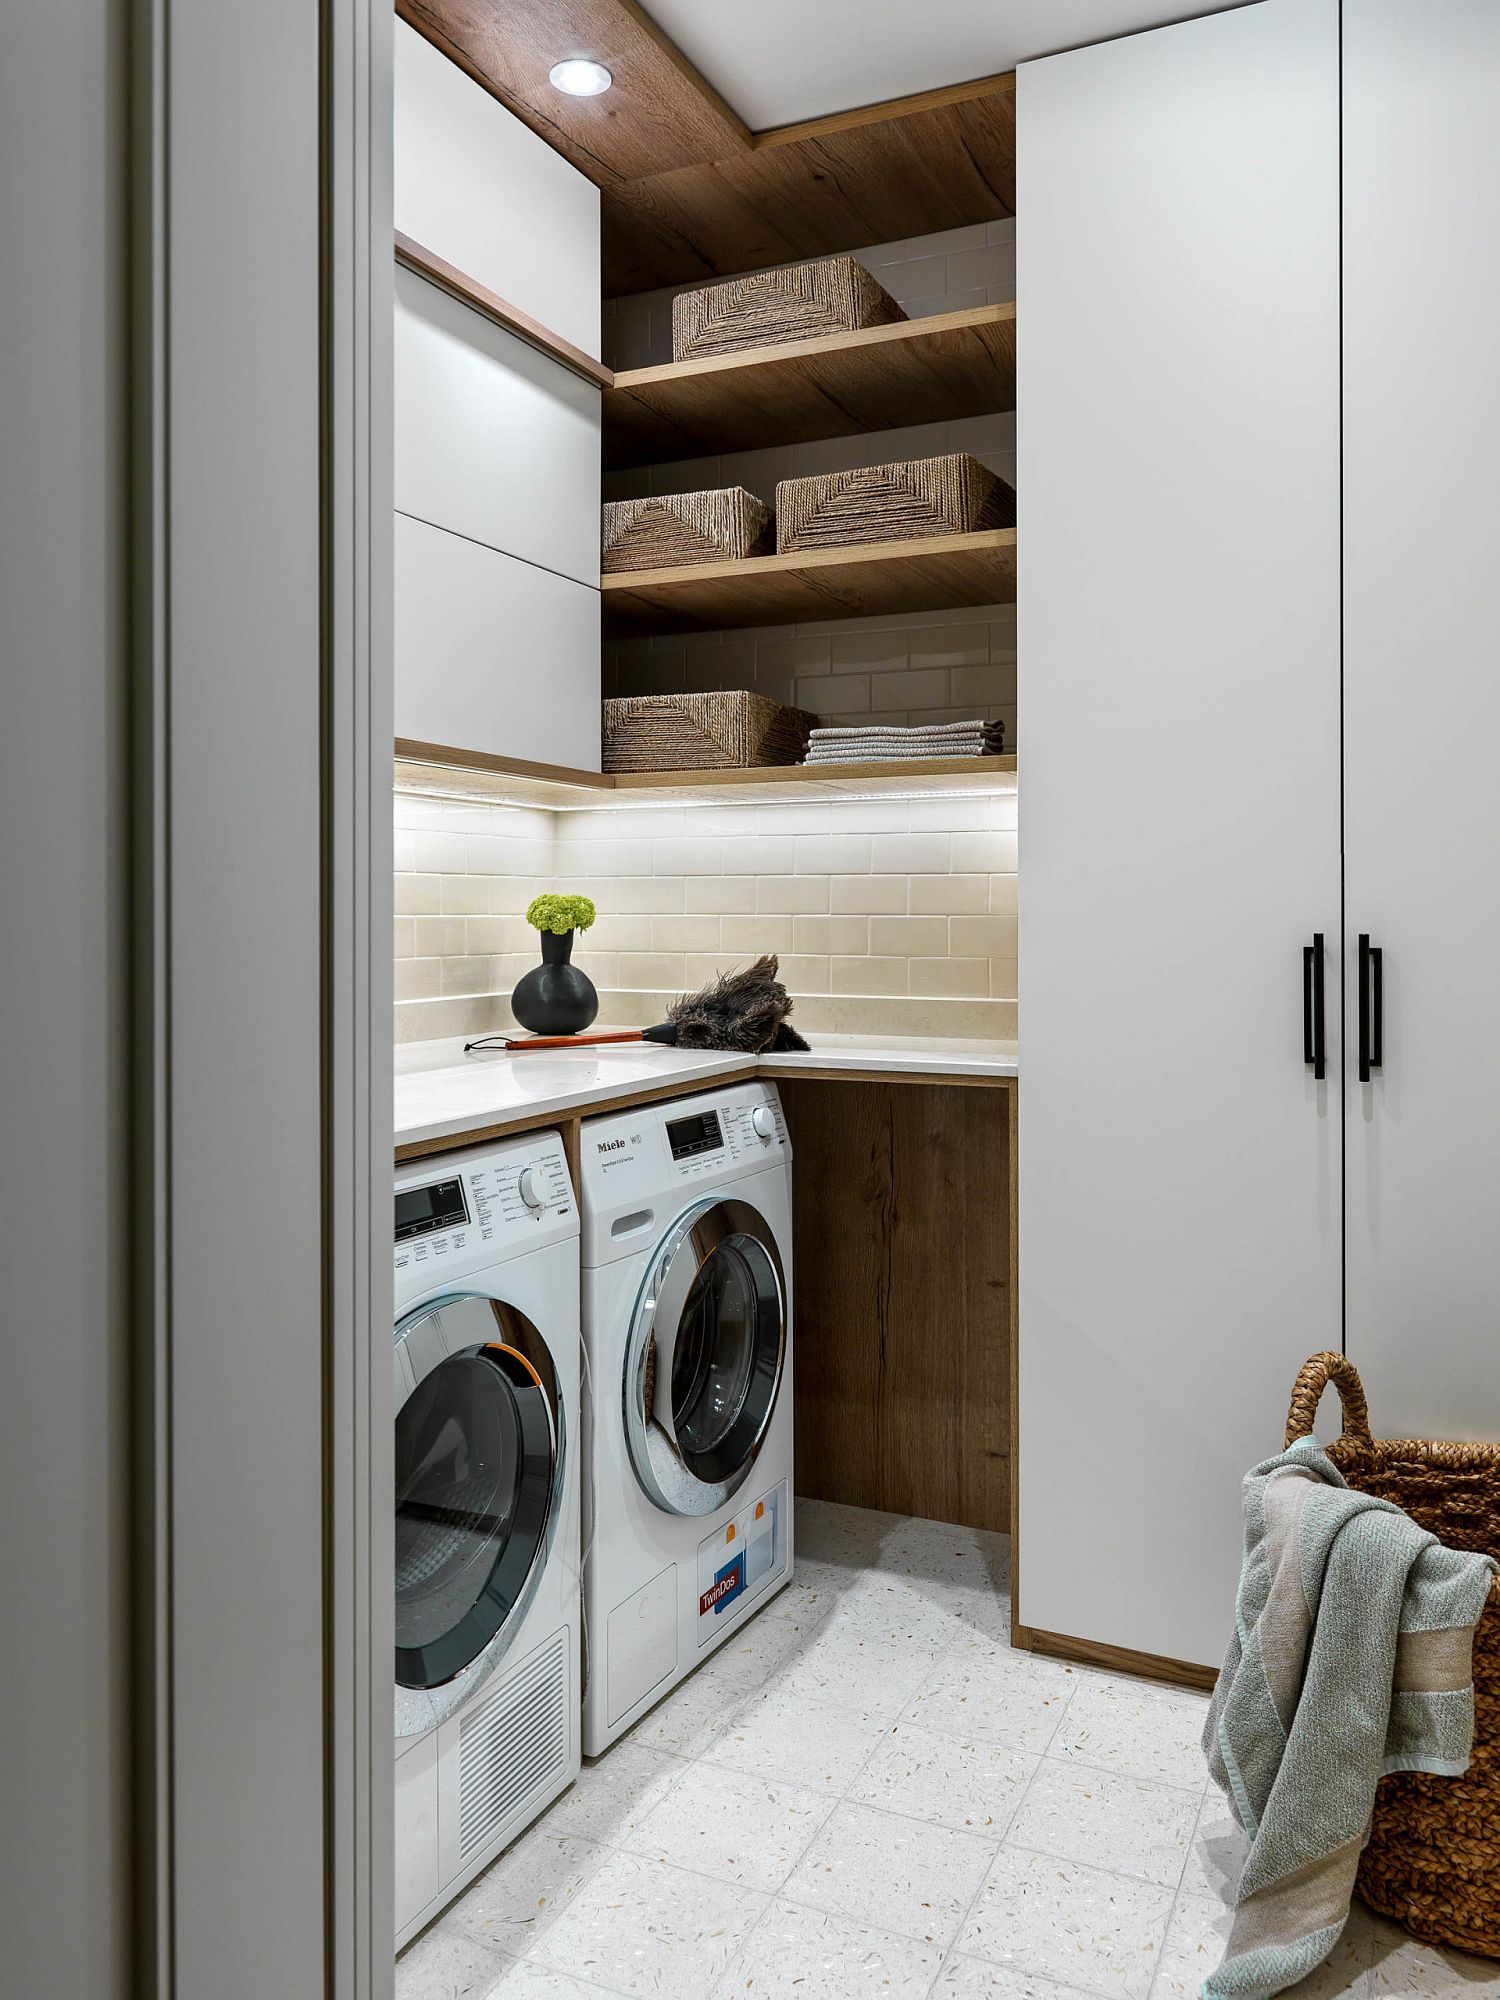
(1433, 1860)
(767, 308)
(952, 495)
(722, 524)
(702, 732)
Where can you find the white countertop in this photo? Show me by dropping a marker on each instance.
(441, 1093)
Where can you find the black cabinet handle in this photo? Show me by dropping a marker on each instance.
(1371, 1006)
(1314, 1046)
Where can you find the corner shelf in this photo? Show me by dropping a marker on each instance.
(939, 573)
(442, 771)
(918, 371)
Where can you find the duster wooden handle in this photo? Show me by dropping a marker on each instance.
(576, 1041)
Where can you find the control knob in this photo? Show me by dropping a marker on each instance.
(763, 1122)
(529, 1188)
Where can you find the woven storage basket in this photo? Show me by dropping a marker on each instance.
(1433, 1860)
(721, 525)
(766, 308)
(702, 732)
(954, 495)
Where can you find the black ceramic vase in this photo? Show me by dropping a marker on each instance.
(555, 998)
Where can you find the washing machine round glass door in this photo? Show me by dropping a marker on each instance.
(705, 1358)
(478, 1464)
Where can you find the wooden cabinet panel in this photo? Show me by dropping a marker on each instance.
(492, 653)
(493, 440)
(1178, 608)
(1422, 705)
(902, 1266)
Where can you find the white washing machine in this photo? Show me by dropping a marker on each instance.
(687, 1267)
(488, 1434)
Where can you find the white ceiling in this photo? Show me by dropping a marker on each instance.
(778, 61)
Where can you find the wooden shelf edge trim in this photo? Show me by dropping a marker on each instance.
(468, 291)
(445, 756)
(797, 561)
(901, 332)
(1115, 1659)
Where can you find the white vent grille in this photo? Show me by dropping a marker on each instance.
(512, 1746)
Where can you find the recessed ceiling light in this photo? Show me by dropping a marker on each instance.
(580, 78)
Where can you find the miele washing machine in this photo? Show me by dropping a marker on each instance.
(487, 1497)
(687, 1265)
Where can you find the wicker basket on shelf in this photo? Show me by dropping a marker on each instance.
(726, 731)
(953, 495)
(767, 308)
(723, 524)
(1433, 1859)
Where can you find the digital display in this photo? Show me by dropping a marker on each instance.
(687, 1136)
(420, 1210)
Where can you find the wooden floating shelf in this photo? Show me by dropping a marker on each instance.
(919, 371)
(441, 771)
(941, 573)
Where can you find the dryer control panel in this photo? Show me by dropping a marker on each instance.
(463, 1211)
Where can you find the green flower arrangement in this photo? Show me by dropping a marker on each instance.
(560, 914)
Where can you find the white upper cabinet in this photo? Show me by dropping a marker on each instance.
(1179, 735)
(493, 439)
(1422, 706)
(482, 190)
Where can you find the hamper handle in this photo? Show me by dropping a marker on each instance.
(1307, 1393)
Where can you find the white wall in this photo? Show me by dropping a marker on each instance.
(482, 190)
(65, 1579)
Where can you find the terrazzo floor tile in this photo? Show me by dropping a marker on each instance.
(1195, 1944)
(1122, 1824)
(796, 1740)
(688, 1719)
(1402, 1965)
(1137, 1731)
(1216, 1853)
(981, 1689)
(843, 1663)
(526, 1890)
(898, 1874)
(800, 1954)
(528, 1981)
(959, 1555)
(845, 1536)
(814, 1589)
(973, 1786)
(898, 1609)
(1080, 1926)
(643, 1927)
(447, 1965)
(974, 1979)
(761, 1645)
(732, 1825)
(614, 1793)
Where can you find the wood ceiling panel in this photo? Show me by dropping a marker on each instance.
(689, 193)
(659, 115)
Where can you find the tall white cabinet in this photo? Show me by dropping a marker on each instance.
(497, 445)
(1422, 705)
(1259, 289)
(1179, 726)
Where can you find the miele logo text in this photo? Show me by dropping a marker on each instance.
(610, 1145)
(721, 1587)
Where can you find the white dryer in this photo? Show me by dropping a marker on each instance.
(687, 1256)
(487, 1524)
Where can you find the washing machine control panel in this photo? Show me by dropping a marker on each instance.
(469, 1209)
(677, 1144)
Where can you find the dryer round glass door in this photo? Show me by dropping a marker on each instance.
(704, 1361)
(477, 1460)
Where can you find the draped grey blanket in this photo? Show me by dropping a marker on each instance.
(1351, 1657)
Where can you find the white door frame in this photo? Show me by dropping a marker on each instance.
(261, 243)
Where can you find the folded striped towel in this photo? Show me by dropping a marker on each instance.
(885, 742)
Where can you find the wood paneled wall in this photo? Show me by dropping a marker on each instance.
(904, 1295)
